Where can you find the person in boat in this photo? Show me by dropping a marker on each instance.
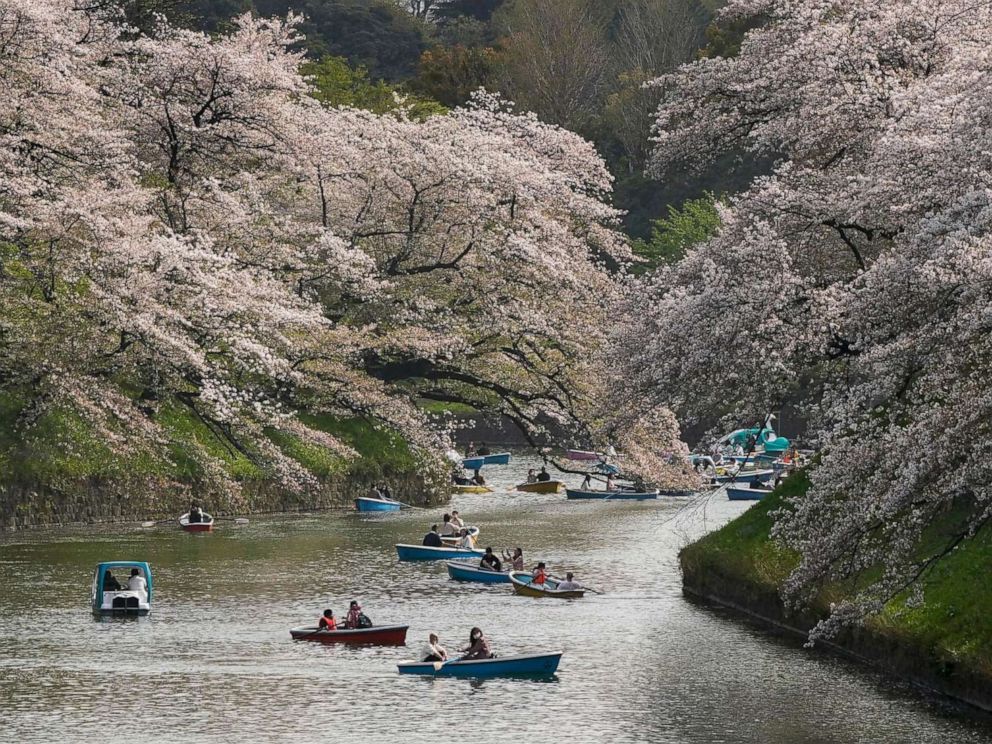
(469, 450)
(375, 493)
(327, 621)
(516, 560)
(356, 618)
(544, 475)
(569, 584)
(433, 650)
(195, 515)
(478, 646)
(540, 574)
(483, 450)
(531, 476)
(447, 528)
(386, 493)
(110, 582)
(756, 484)
(432, 539)
(478, 480)
(459, 479)
(466, 541)
(137, 583)
(490, 561)
(456, 520)
(586, 483)
(610, 485)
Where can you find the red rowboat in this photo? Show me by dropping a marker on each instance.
(207, 525)
(381, 635)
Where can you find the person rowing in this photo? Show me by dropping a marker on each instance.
(568, 584)
(433, 650)
(478, 647)
(327, 621)
(466, 541)
(456, 520)
(490, 561)
(448, 528)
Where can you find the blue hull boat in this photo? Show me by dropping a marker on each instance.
(463, 571)
(746, 477)
(473, 463)
(572, 493)
(740, 493)
(427, 553)
(376, 505)
(529, 665)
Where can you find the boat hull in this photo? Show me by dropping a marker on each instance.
(506, 666)
(541, 487)
(735, 493)
(187, 526)
(572, 493)
(384, 635)
(427, 553)
(583, 455)
(471, 489)
(522, 585)
(463, 571)
(364, 504)
(762, 475)
(473, 463)
(499, 458)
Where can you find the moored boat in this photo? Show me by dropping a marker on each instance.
(502, 666)
(743, 493)
(465, 571)
(428, 553)
(381, 635)
(522, 584)
(471, 489)
(365, 504)
(206, 523)
(575, 493)
(549, 486)
(583, 455)
(745, 476)
(110, 597)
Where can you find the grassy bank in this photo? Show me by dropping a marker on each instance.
(945, 644)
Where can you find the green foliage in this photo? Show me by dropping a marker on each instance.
(451, 74)
(336, 83)
(672, 236)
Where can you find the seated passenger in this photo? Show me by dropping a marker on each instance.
(757, 484)
(490, 562)
(432, 539)
(447, 528)
(356, 618)
(478, 480)
(327, 621)
(456, 520)
(544, 475)
(433, 650)
(137, 582)
(478, 646)
(540, 574)
(531, 476)
(195, 515)
(483, 450)
(568, 584)
(466, 541)
(110, 582)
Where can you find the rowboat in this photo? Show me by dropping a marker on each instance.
(365, 504)
(521, 665)
(473, 463)
(205, 525)
(499, 458)
(113, 596)
(451, 541)
(428, 553)
(521, 581)
(573, 493)
(471, 489)
(742, 493)
(463, 571)
(583, 455)
(382, 635)
(745, 476)
(549, 486)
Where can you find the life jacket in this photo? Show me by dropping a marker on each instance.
(539, 576)
(327, 623)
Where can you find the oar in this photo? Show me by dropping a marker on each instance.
(439, 665)
(160, 521)
(236, 520)
(313, 633)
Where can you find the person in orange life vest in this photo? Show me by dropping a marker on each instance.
(327, 621)
(539, 574)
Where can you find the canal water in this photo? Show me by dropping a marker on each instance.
(214, 661)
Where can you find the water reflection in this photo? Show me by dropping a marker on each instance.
(215, 657)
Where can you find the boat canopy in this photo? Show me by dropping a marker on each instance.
(765, 436)
(102, 568)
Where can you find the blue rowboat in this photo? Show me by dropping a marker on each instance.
(740, 493)
(524, 665)
(364, 504)
(572, 493)
(473, 463)
(463, 571)
(500, 458)
(746, 476)
(427, 553)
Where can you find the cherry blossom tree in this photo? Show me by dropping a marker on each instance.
(854, 274)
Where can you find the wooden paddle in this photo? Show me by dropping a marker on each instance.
(319, 630)
(438, 665)
(160, 521)
(236, 520)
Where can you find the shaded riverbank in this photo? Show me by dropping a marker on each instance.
(944, 646)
